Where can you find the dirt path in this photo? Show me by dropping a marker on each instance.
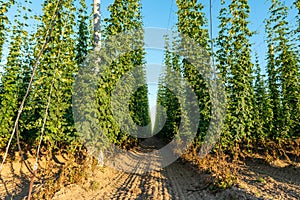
(180, 180)
(177, 181)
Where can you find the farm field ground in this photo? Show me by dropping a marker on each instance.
(256, 179)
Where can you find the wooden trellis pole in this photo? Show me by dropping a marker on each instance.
(97, 47)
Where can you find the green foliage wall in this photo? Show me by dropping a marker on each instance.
(283, 73)
(191, 24)
(55, 74)
(260, 107)
(125, 18)
(168, 116)
(14, 77)
(236, 67)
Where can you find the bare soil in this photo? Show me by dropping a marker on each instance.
(180, 180)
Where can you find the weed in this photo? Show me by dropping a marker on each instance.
(222, 170)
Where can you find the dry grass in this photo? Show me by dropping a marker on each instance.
(75, 170)
(223, 170)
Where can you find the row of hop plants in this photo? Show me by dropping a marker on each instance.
(66, 28)
(262, 110)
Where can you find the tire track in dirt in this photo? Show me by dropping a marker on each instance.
(185, 181)
(128, 188)
(173, 182)
(150, 185)
(270, 181)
